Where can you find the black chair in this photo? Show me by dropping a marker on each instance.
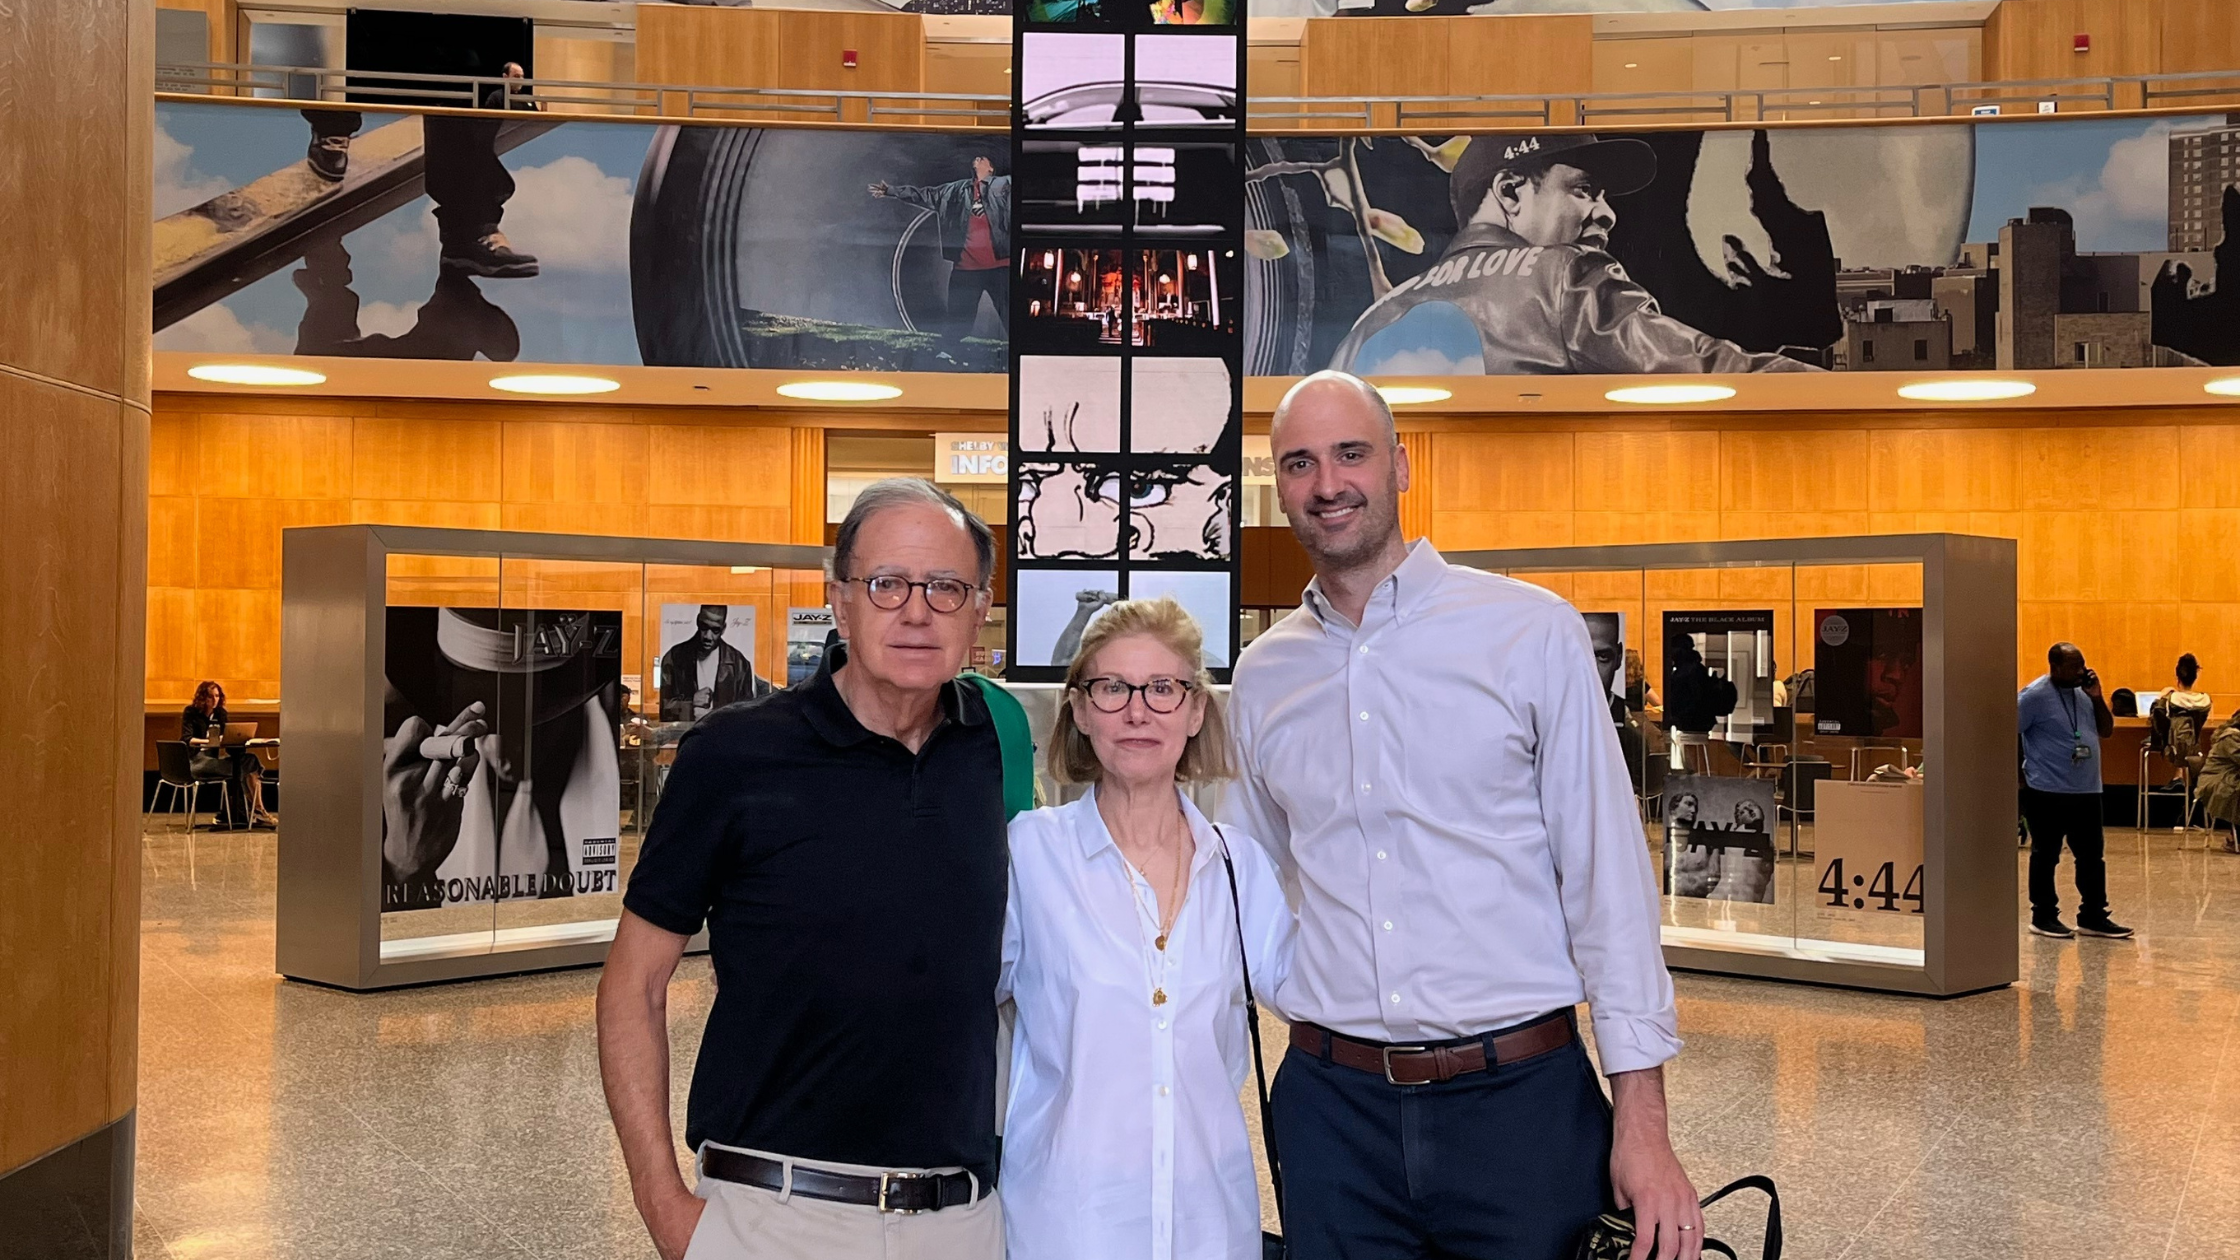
(175, 770)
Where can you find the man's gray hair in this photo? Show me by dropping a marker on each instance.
(895, 492)
(1362, 387)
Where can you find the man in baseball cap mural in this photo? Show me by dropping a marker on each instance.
(1528, 279)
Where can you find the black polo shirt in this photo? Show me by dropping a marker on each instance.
(854, 898)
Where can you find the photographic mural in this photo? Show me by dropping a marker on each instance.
(1832, 249)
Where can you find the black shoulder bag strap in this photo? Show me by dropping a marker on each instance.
(1271, 1246)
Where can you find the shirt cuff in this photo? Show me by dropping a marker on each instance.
(685, 923)
(1634, 1043)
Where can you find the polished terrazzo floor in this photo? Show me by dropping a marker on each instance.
(2091, 1110)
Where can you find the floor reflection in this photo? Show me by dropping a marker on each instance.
(2094, 1107)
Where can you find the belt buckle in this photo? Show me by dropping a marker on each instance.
(1389, 1051)
(887, 1177)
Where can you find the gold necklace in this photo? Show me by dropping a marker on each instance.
(1128, 873)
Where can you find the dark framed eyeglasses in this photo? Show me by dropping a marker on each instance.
(891, 591)
(1160, 695)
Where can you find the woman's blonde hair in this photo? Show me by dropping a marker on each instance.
(1206, 757)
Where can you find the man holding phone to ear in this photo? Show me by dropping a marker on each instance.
(2062, 718)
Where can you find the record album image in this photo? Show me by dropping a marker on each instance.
(707, 659)
(1719, 841)
(499, 771)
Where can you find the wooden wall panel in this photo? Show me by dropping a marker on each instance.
(231, 472)
(2127, 523)
(75, 183)
(2199, 35)
(2034, 39)
(1420, 56)
(780, 48)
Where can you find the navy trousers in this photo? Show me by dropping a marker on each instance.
(1507, 1164)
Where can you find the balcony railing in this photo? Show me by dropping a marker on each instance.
(580, 96)
(2204, 89)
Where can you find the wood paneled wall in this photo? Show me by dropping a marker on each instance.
(780, 48)
(1410, 56)
(2128, 521)
(75, 147)
(230, 472)
(2036, 39)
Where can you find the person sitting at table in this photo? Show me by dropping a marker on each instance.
(2218, 788)
(2178, 720)
(203, 727)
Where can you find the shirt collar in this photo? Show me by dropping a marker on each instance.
(1094, 837)
(1409, 585)
(831, 718)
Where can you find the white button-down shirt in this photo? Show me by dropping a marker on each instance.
(1442, 790)
(1124, 1139)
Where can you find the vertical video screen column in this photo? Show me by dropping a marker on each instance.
(1127, 299)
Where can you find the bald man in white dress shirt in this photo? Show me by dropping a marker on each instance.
(1428, 755)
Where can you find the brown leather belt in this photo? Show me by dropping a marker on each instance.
(1435, 1063)
(907, 1193)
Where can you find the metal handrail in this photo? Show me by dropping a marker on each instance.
(1929, 100)
(469, 91)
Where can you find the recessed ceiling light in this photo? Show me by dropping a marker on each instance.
(1966, 390)
(532, 383)
(1669, 394)
(2228, 386)
(839, 391)
(1633, 65)
(1402, 395)
(255, 374)
(746, 568)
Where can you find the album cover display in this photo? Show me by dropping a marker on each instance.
(500, 776)
(1719, 838)
(1866, 666)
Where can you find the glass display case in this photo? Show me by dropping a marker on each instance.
(1820, 734)
(480, 723)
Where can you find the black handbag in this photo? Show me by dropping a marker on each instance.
(1611, 1236)
(1272, 1246)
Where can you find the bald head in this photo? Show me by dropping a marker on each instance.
(1332, 388)
(1339, 473)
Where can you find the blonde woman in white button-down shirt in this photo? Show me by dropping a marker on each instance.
(1125, 1139)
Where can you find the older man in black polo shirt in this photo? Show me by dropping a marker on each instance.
(843, 841)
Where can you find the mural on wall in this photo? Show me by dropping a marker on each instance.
(2023, 244)
(1836, 249)
(332, 232)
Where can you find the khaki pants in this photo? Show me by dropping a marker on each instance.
(749, 1223)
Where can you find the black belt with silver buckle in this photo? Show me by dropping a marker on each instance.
(888, 1192)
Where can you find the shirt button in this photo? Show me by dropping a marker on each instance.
(1387, 927)
(1364, 715)
(1363, 649)
(1380, 855)
(1164, 1091)
(1162, 1024)
(1395, 1002)
(1364, 788)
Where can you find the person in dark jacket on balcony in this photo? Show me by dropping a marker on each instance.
(974, 217)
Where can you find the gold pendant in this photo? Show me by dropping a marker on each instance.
(1158, 997)
(1161, 943)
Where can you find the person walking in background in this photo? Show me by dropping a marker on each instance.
(843, 843)
(1125, 1139)
(1427, 752)
(2062, 717)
